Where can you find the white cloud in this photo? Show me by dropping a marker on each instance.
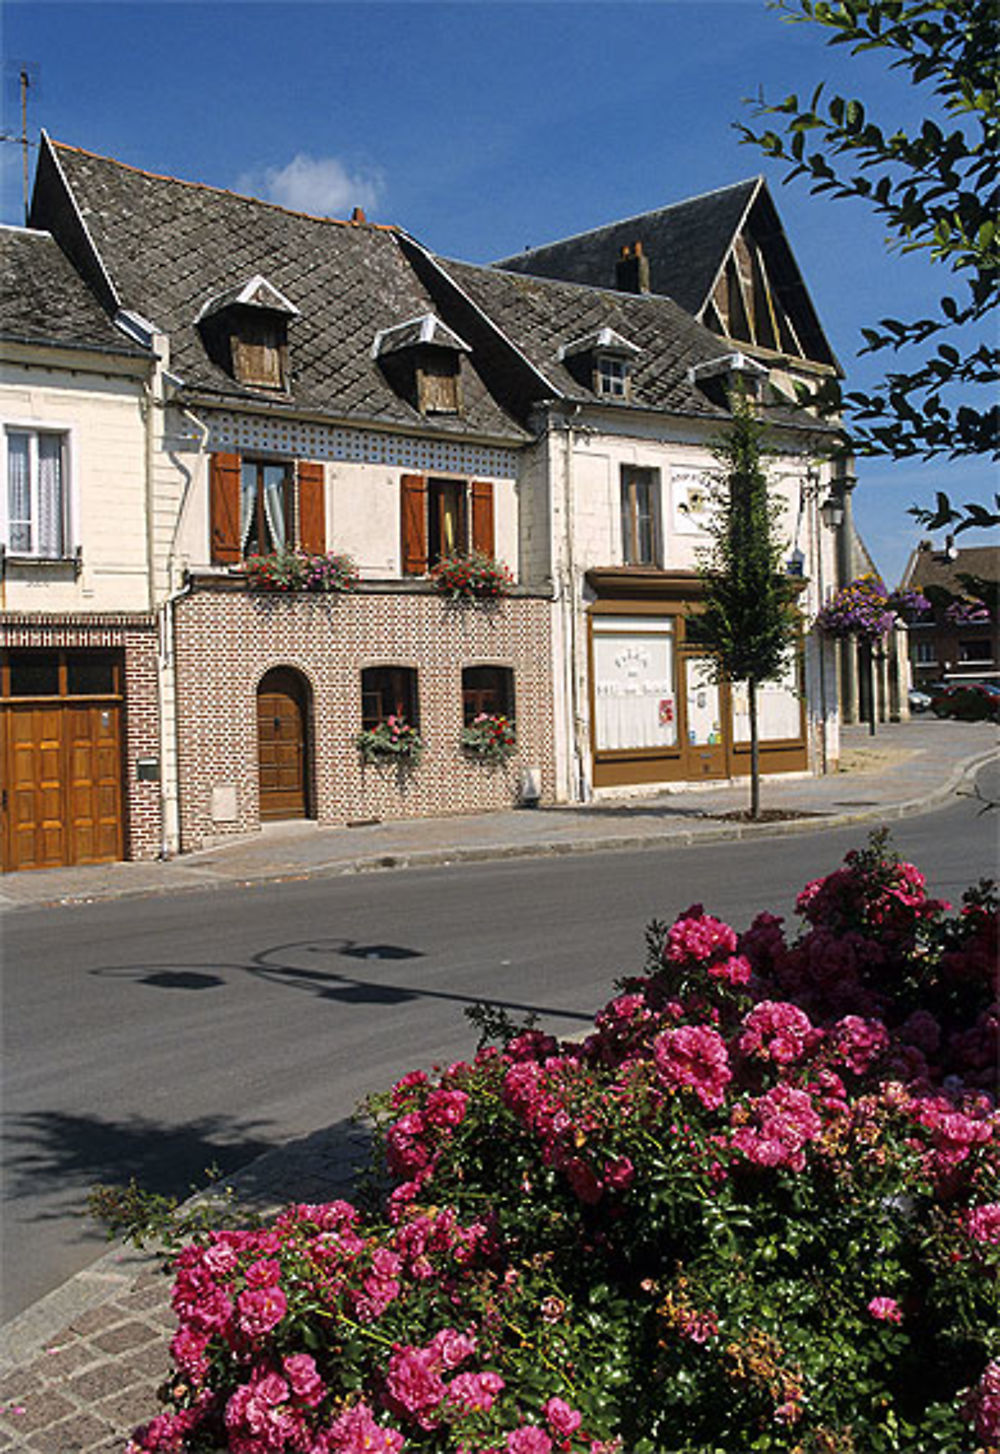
(320, 185)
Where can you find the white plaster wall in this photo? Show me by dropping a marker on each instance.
(534, 514)
(589, 501)
(107, 484)
(362, 511)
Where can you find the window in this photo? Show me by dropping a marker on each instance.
(258, 506)
(973, 651)
(438, 385)
(60, 673)
(924, 653)
(487, 689)
(447, 530)
(611, 377)
(36, 498)
(260, 349)
(635, 683)
(388, 691)
(442, 516)
(640, 503)
(266, 507)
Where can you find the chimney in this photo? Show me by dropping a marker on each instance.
(358, 215)
(632, 270)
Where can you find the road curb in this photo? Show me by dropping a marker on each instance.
(547, 848)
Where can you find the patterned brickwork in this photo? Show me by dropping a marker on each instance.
(136, 637)
(226, 641)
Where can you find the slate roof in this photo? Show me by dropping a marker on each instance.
(686, 244)
(930, 568)
(167, 246)
(43, 300)
(541, 315)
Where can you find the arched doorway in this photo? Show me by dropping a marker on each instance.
(282, 755)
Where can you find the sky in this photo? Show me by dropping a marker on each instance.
(484, 127)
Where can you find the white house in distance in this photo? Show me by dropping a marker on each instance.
(284, 381)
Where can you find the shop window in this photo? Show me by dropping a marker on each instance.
(36, 498)
(388, 691)
(487, 689)
(640, 506)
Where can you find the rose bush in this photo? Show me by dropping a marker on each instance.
(754, 1209)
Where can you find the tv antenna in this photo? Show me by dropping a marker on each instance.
(27, 80)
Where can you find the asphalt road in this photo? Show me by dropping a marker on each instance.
(157, 1037)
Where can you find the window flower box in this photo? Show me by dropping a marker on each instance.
(297, 570)
(491, 737)
(394, 740)
(471, 577)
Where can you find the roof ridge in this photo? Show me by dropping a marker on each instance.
(494, 269)
(221, 191)
(633, 217)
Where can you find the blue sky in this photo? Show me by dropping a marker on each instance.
(484, 127)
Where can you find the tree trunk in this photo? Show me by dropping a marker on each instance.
(754, 752)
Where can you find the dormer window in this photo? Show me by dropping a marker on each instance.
(245, 332)
(719, 377)
(422, 359)
(612, 376)
(602, 362)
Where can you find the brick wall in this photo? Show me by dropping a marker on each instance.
(135, 636)
(226, 640)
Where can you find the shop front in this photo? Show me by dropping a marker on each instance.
(658, 715)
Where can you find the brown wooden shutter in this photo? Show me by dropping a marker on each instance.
(483, 537)
(312, 511)
(413, 519)
(224, 485)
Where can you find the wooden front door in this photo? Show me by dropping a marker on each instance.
(63, 793)
(281, 746)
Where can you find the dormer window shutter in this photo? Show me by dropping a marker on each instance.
(413, 518)
(483, 534)
(224, 508)
(312, 503)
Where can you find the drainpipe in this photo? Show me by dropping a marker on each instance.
(170, 744)
(582, 786)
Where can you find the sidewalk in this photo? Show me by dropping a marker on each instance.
(80, 1368)
(906, 767)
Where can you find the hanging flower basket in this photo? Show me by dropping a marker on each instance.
(471, 577)
(491, 737)
(297, 570)
(860, 609)
(394, 740)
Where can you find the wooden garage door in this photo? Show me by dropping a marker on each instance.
(62, 790)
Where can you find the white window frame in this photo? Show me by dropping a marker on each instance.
(611, 376)
(33, 429)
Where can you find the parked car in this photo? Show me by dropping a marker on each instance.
(968, 701)
(919, 701)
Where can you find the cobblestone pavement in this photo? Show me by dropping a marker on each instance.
(82, 1367)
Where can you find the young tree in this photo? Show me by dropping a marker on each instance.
(748, 622)
(936, 188)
